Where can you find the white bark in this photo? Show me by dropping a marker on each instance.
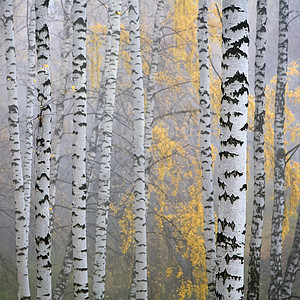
(206, 155)
(105, 167)
(14, 136)
(43, 151)
(279, 154)
(80, 268)
(232, 154)
(259, 157)
(138, 152)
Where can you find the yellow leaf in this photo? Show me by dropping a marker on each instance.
(46, 66)
(73, 88)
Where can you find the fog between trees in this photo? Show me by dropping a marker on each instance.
(149, 149)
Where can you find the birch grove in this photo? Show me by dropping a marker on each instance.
(131, 135)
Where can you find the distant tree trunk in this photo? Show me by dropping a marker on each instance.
(292, 265)
(105, 166)
(65, 271)
(43, 151)
(279, 156)
(206, 156)
(80, 268)
(233, 152)
(66, 268)
(138, 151)
(16, 159)
(259, 158)
(151, 89)
(59, 114)
(96, 132)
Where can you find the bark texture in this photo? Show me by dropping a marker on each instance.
(279, 155)
(232, 154)
(79, 187)
(43, 151)
(206, 156)
(138, 151)
(259, 157)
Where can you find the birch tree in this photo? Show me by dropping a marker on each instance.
(43, 151)
(279, 154)
(232, 154)
(80, 268)
(105, 166)
(30, 98)
(259, 158)
(16, 159)
(138, 151)
(206, 156)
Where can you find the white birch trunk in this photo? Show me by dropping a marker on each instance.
(105, 166)
(80, 268)
(259, 157)
(16, 159)
(232, 154)
(43, 151)
(279, 154)
(206, 156)
(138, 152)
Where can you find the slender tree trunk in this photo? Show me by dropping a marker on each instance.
(233, 152)
(292, 265)
(279, 156)
(206, 156)
(259, 158)
(138, 152)
(105, 166)
(31, 94)
(80, 268)
(14, 136)
(43, 151)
